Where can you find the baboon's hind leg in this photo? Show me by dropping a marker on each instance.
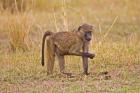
(61, 60)
(61, 63)
(50, 56)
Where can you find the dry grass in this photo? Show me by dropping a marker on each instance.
(116, 44)
(19, 28)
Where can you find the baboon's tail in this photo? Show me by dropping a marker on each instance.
(47, 33)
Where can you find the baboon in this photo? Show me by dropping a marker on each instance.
(67, 43)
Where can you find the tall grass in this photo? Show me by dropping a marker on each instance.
(19, 28)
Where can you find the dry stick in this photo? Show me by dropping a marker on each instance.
(16, 7)
(28, 30)
(100, 29)
(33, 4)
(55, 23)
(21, 7)
(97, 19)
(109, 29)
(65, 22)
(83, 19)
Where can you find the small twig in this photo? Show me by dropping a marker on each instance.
(83, 19)
(64, 15)
(55, 22)
(16, 6)
(21, 6)
(100, 29)
(109, 29)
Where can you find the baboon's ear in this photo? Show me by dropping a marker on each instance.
(79, 28)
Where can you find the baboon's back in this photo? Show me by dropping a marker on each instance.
(64, 40)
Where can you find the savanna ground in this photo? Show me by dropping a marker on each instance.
(116, 42)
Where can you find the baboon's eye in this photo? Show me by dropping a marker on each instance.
(89, 32)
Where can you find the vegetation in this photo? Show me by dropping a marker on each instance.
(116, 42)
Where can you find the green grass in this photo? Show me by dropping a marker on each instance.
(118, 53)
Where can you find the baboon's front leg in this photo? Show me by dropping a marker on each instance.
(75, 50)
(85, 59)
(83, 54)
(91, 56)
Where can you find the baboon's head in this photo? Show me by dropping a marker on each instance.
(86, 31)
